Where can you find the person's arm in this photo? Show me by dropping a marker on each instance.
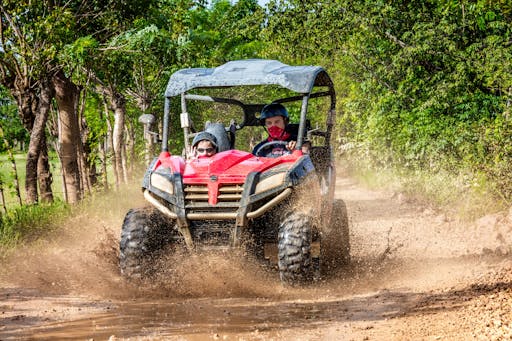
(258, 146)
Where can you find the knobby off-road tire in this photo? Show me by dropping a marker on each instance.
(145, 234)
(335, 240)
(294, 249)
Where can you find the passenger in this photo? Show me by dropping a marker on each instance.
(204, 144)
(274, 117)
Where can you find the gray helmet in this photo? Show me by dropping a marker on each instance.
(272, 110)
(204, 136)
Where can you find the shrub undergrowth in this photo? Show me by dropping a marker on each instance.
(467, 194)
(30, 221)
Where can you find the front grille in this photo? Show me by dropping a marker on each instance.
(196, 193)
(229, 195)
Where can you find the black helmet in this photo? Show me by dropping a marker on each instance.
(272, 110)
(204, 136)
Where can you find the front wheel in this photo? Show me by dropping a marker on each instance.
(294, 249)
(144, 235)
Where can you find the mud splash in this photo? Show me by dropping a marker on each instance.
(87, 264)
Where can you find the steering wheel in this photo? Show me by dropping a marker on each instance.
(266, 149)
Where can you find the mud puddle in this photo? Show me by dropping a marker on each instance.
(208, 318)
(369, 293)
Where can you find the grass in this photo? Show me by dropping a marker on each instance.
(28, 223)
(31, 221)
(6, 174)
(23, 224)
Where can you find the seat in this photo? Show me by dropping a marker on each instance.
(293, 129)
(219, 131)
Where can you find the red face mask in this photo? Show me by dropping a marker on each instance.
(277, 134)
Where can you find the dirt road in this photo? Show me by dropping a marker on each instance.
(416, 275)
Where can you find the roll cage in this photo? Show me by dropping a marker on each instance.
(303, 80)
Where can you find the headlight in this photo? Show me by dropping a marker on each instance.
(270, 182)
(162, 183)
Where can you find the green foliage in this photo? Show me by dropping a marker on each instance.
(421, 84)
(12, 131)
(304, 31)
(79, 50)
(215, 35)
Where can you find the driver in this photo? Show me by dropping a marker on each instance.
(274, 117)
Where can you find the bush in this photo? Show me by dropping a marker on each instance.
(466, 193)
(28, 222)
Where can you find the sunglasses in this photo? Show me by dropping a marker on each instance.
(205, 150)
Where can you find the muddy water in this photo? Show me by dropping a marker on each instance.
(271, 311)
(68, 286)
(211, 317)
(255, 309)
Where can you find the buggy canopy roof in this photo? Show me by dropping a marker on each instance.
(300, 79)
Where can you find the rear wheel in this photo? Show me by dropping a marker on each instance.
(144, 235)
(334, 242)
(294, 249)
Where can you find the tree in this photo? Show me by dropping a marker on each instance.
(66, 97)
(28, 32)
(423, 83)
(222, 33)
(33, 35)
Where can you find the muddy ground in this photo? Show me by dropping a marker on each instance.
(417, 274)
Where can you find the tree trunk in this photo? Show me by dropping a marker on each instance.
(117, 102)
(83, 151)
(44, 174)
(109, 146)
(123, 163)
(93, 174)
(85, 170)
(130, 129)
(103, 145)
(127, 155)
(103, 153)
(36, 142)
(66, 96)
(27, 102)
(2, 197)
(63, 179)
